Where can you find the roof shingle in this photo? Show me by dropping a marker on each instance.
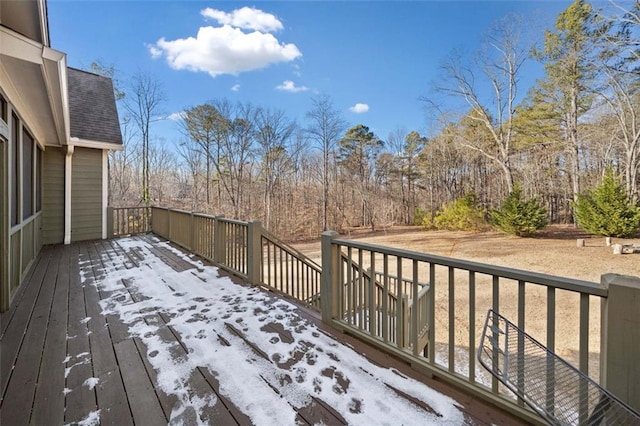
(92, 107)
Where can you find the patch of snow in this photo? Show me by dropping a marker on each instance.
(206, 309)
(91, 382)
(84, 359)
(85, 320)
(92, 419)
(66, 391)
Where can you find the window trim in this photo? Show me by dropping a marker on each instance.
(15, 171)
(4, 117)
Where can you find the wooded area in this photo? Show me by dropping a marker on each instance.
(299, 178)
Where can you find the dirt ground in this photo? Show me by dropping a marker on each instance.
(552, 251)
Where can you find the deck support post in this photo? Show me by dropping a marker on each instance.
(329, 290)
(219, 240)
(254, 252)
(620, 340)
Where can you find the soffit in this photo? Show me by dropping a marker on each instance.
(34, 79)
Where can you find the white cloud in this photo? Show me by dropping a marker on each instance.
(290, 86)
(227, 49)
(224, 50)
(175, 116)
(235, 88)
(359, 108)
(155, 52)
(247, 18)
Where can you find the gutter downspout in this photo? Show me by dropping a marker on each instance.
(67, 193)
(105, 192)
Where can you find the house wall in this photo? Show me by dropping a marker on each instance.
(53, 196)
(86, 194)
(20, 191)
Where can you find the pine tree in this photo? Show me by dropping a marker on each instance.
(567, 55)
(518, 216)
(607, 210)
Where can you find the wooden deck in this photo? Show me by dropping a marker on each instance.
(58, 367)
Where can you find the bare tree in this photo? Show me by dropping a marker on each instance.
(143, 103)
(207, 128)
(498, 65)
(274, 139)
(620, 94)
(191, 174)
(162, 165)
(325, 127)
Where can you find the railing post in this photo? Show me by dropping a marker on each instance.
(620, 340)
(149, 217)
(329, 290)
(219, 240)
(254, 252)
(192, 233)
(109, 222)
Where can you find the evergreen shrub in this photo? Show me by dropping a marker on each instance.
(518, 216)
(463, 214)
(607, 210)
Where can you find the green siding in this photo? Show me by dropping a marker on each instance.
(53, 196)
(86, 194)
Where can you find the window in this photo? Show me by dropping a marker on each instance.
(14, 167)
(3, 109)
(27, 175)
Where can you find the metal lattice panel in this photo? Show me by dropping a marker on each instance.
(556, 390)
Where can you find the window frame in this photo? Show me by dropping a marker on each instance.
(15, 171)
(28, 174)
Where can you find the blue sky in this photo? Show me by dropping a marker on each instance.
(375, 59)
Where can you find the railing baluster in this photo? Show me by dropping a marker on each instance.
(385, 297)
(414, 310)
(551, 346)
(349, 287)
(373, 312)
(583, 363)
(361, 299)
(521, 323)
(403, 336)
(495, 302)
(432, 313)
(472, 326)
(452, 320)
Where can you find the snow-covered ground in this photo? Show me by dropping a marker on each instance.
(209, 312)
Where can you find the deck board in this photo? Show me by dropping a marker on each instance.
(146, 408)
(48, 406)
(56, 316)
(110, 389)
(81, 399)
(22, 387)
(21, 312)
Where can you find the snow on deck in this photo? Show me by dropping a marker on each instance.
(268, 359)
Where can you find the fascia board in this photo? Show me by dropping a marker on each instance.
(85, 143)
